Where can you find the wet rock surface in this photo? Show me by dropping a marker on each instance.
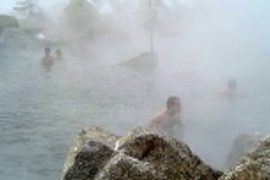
(138, 155)
(122, 167)
(168, 156)
(89, 152)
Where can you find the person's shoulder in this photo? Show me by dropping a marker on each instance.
(160, 113)
(158, 116)
(156, 119)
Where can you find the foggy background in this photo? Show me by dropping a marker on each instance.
(200, 45)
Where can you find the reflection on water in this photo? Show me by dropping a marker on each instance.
(40, 113)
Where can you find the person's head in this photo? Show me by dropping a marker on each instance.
(47, 51)
(58, 52)
(174, 104)
(232, 84)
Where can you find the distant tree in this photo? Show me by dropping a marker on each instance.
(33, 19)
(27, 7)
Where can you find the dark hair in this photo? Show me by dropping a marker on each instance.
(171, 101)
(47, 49)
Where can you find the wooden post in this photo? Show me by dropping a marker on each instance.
(151, 27)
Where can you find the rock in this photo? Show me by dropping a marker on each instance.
(254, 166)
(171, 158)
(8, 22)
(90, 151)
(241, 146)
(144, 62)
(123, 167)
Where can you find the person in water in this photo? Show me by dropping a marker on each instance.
(165, 120)
(47, 61)
(59, 54)
(231, 88)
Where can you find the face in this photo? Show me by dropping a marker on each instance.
(177, 106)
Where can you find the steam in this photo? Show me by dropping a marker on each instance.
(201, 44)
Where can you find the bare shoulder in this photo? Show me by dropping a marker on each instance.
(159, 115)
(157, 118)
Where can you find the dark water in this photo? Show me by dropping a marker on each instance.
(40, 113)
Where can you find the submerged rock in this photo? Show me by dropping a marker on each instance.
(169, 157)
(90, 151)
(254, 166)
(146, 61)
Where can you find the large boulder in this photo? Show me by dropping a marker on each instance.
(170, 158)
(8, 22)
(242, 144)
(138, 155)
(254, 166)
(90, 151)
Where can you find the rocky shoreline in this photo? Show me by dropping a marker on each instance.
(96, 154)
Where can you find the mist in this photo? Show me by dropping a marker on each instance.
(200, 45)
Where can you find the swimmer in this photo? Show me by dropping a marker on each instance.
(59, 54)
(47, 61)
(165, 120)
(231, 88)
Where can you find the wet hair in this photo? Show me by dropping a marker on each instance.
(47, 49)
(171, 101)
